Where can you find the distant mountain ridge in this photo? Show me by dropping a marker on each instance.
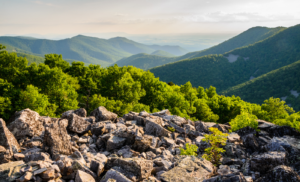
(90, 50)
(248, 37)
(237, 66)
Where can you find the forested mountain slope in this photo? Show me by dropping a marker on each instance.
(248, 37)
(82, 48)
(236, 66)
(281, 83)
(162, 53)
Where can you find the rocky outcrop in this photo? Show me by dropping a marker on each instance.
(139, 147)
(8, 143)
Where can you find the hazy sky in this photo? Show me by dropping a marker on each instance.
(144, 16)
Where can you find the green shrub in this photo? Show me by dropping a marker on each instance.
(216, 139)
(243, 120)
(190, 150)
(171, 129)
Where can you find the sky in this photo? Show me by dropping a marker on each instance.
(107, 18)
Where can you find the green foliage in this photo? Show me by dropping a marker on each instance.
(191, 149)
(171, 129)
(216, 139)
(31, 98)
(243, 120)
(277, 84)
(292, 121)
(276, 109)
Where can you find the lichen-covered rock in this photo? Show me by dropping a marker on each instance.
(117, 176)
(203, 126)
(97, 164)
(138, 167)
(56, 138)
(78, 124)
(264, 162)
(115, 142)
(280, 173)
(154, 127)
(79, 112)
(190, 168)
(142, 145)
(102, 114)
(8, 143)
(234, 177)
(26, 123)
(82, 176)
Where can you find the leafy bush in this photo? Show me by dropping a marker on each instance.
(243, 120)
(171, 129)
(216, 139)
(190, 150)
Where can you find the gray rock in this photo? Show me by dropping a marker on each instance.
(8, 142)
(78, 124)
(81, 112)
(115, 142)
(264, 162)
(113, 174)
(39, 156)
(162, 113)
(142, 145)
(82, 176)
(232, 177)
(26, 123)
(102, 114)
(56, 138)
(280, 173)
(189, 168)
(154, 127)
(97, 164)
(138, 167)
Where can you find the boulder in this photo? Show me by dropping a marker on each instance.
(280, 173)
(234, 177)
(162, 113)
(39, 156)
(154, 127)
(142, 145)
(113, 174)
(97, 164)
(264, 162)
(7, 171)
(138, 167)
(9, 144)
(26, 123)
(56, 138)
(82, 176)
(78, 124)
(81, 112)
(102, 114)
(190, 168)
(115, 142)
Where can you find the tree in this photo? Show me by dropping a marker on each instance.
(32, 99)
(276, 109)
(55, 60)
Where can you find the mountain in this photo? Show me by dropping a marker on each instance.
(281, 83)
(248, 37)
(236, 66)
(82, 48)
(162, 53)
